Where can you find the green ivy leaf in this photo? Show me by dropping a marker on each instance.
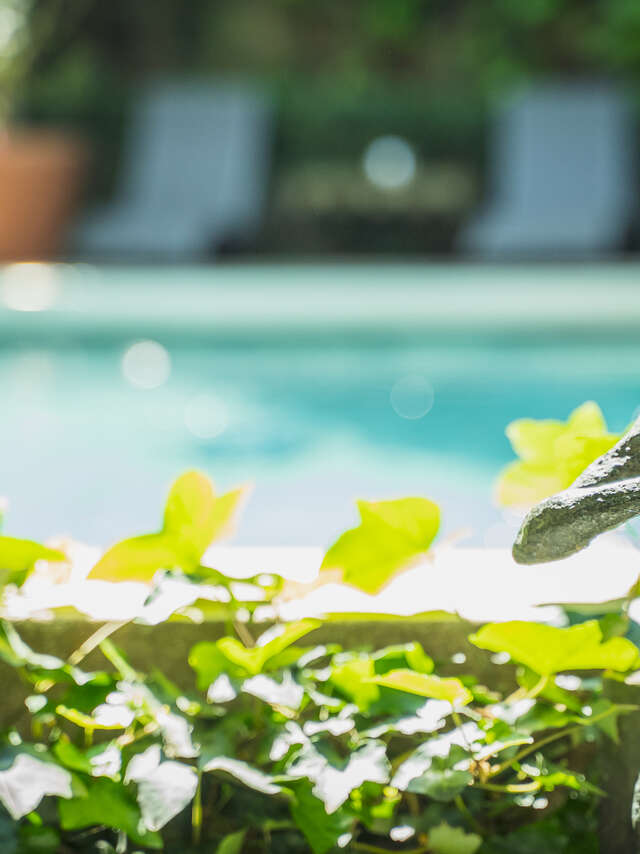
(441, 784)
(552, 692)
(209, 660)
(548, 650)
(164, 788)
(139, 558)
(541, 716)
(286, 693)
(569, 779)
(635, 804)
(605, 716)
(398, 656)
(107, 804)
(194, 515)
(28, 780)
(37, 839)
(193, 518)
(8, 833)
(427, 768)
(232, 843)
(391, 534)
(445, 839)
(17, 653)
(72, 757)
(17, 558)
(209, 663)
(334, 780)
(243, 773)
(321, 829)
(552, 454)
(426, 685)
(354, 678)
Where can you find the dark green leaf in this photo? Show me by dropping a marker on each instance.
(232, 843)
(321, 830)
(334, 780)
(243, 773)
(284, 693)
(8, 833)
(444, 839)
(441, 784)
(353, 677)
(37, 839)
(108, 804)
(209, 663)
(253, 660)
(409, 655)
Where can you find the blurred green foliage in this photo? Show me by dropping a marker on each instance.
(342, 73)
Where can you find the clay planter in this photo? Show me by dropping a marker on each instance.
(40, 174)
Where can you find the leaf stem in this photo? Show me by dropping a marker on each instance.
(556, 736)
(196, 812)
(375, 849)
(244, 634)
(540, 685)
(510, 788)
(466, 812)
(93, 641)
(522, 694)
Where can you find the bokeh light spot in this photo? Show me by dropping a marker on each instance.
(31, 286)
(412, 396)
(389, 162)
(146, 364)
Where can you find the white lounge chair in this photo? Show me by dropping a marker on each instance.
(195, 174)
(562, 174)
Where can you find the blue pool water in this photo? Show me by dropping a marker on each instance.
(313, 421)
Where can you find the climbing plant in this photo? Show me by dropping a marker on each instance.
(274, 737)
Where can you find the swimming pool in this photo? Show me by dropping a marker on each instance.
(319, 384)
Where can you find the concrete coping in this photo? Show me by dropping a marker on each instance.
(478, 585)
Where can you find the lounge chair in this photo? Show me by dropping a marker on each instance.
(561, 174)
(195, 174)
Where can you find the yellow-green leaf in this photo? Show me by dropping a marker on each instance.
(139, 558)
(426, 685)
(548, 650)
(232, 843)
(254, 659)
(193, 518)
(355, 679)
(552, 454)
(18, 556)
(194, 515)
(391, 534)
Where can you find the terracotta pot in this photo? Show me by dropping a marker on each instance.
(40, 175)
